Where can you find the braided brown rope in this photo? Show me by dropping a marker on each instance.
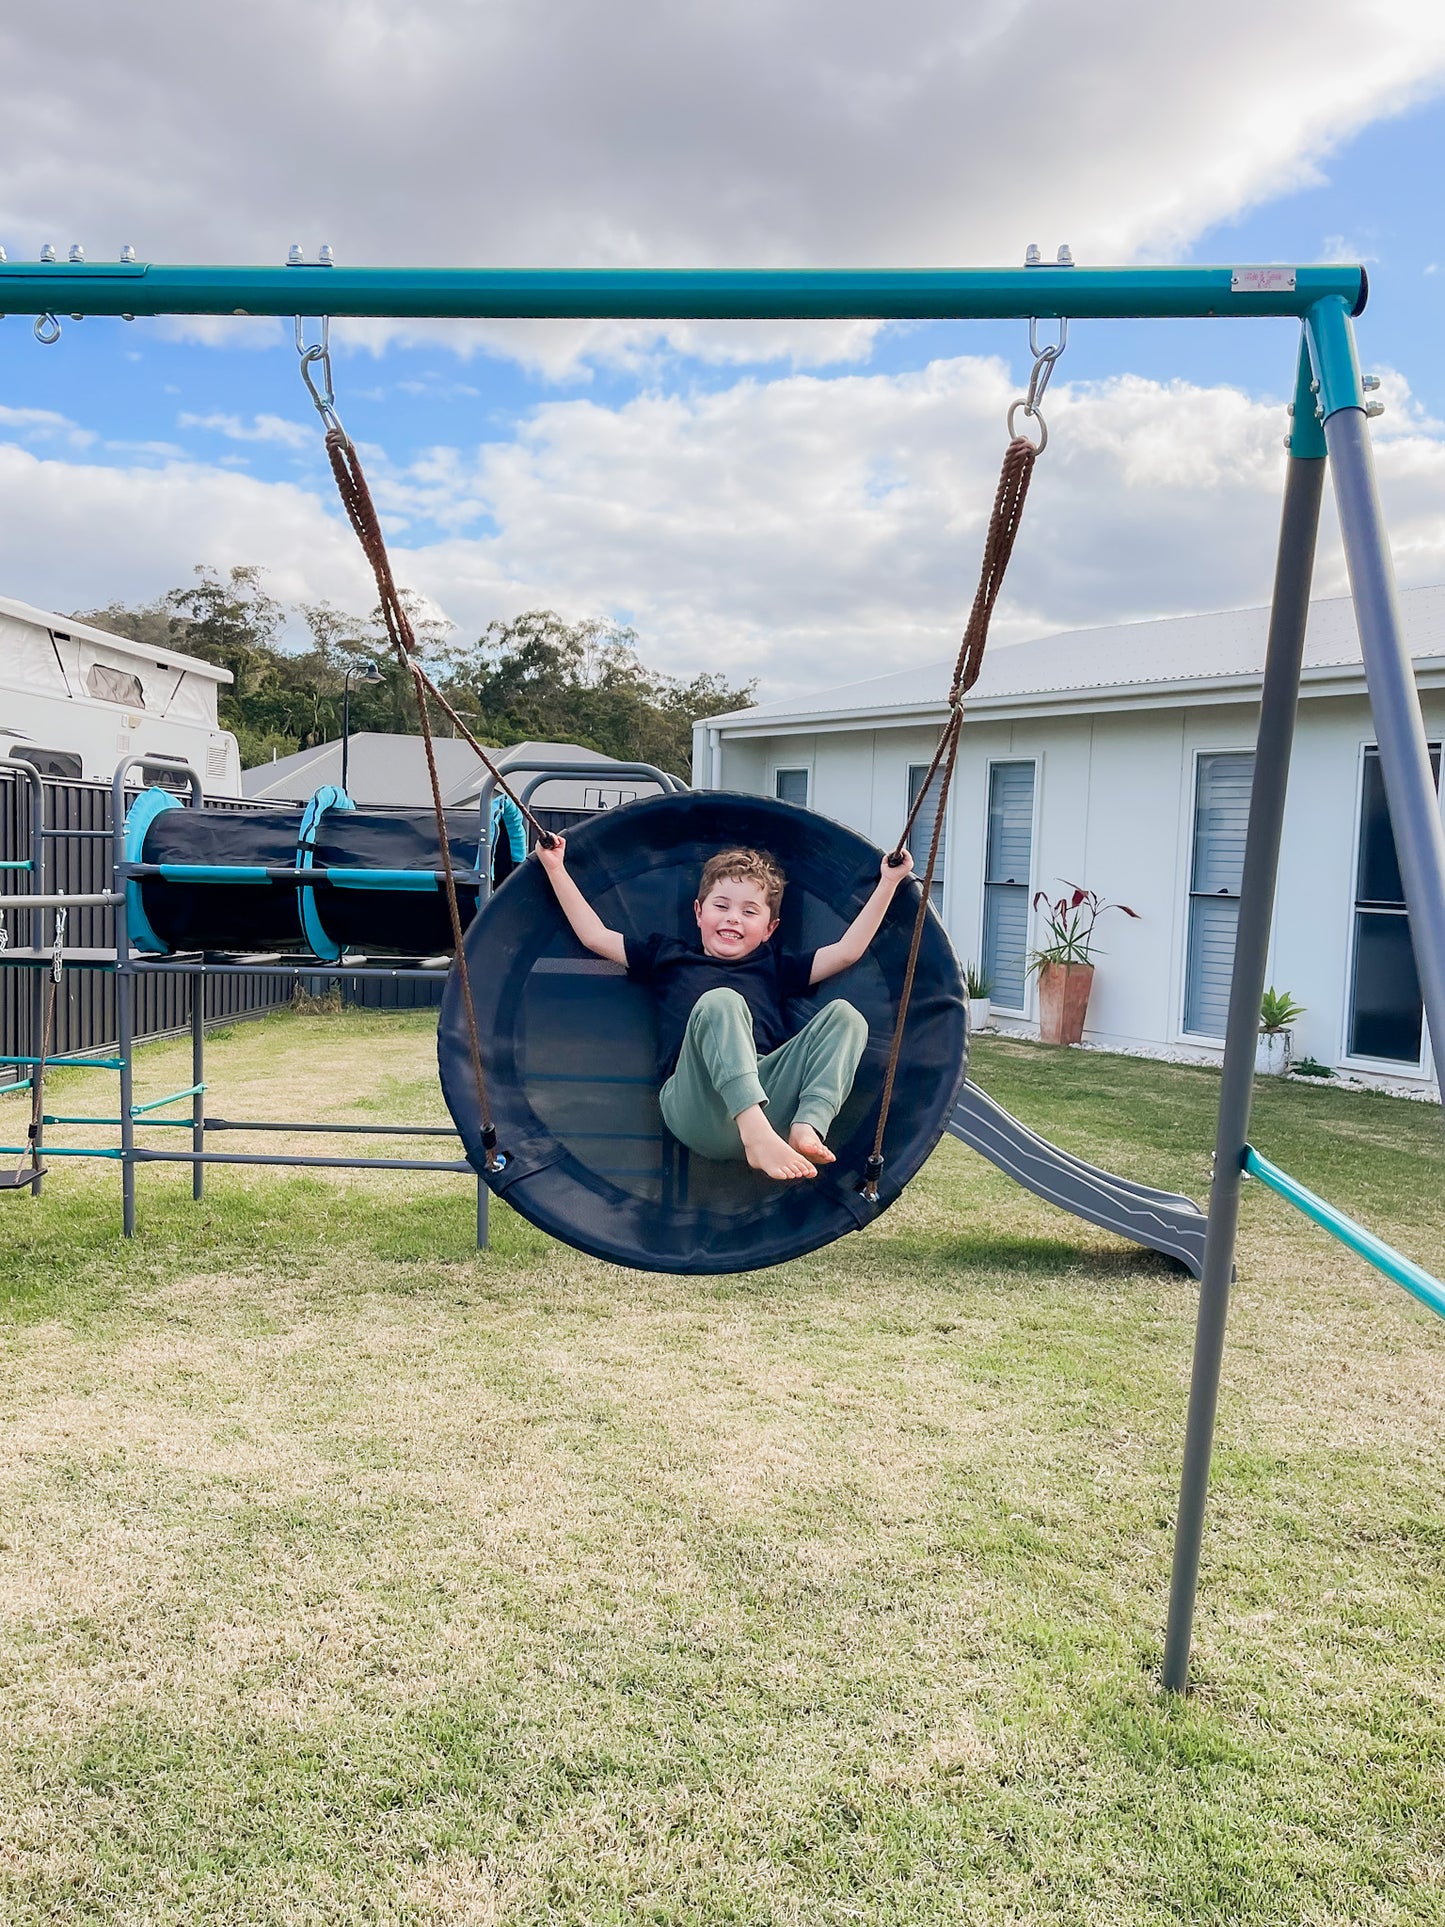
(1003, 527)
(361, 511)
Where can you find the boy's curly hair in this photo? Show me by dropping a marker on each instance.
(745, 866)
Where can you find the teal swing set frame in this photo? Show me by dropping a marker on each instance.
(1328, 427)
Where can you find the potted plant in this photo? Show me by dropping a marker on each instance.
(1278, 1011)
(977, 988)
(1065, 962)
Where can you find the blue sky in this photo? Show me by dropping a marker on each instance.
(476, 452)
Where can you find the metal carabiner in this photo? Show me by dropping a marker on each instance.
(1045, 355)
(318, 355)
(47, 330)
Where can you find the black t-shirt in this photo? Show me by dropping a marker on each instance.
(679, 973)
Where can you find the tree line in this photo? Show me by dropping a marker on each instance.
(536, 677)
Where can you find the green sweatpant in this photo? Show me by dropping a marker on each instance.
(719, 1073)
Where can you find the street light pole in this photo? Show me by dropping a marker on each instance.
(366, 672)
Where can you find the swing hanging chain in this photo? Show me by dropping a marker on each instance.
(1003, 527)
(361, 513)
(356, 498)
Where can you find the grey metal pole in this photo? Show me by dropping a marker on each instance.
(1395, 706)
(125, 983)
(37, 938)
(1299, 525)
(198, 1079)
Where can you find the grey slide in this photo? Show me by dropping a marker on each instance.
(1163, 1220)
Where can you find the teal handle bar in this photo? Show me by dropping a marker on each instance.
(382, 879)
(340, 878)
(54, 1151)
(212, 872)
(159, 1103)
(722, 294)
(69, 1063)
(1414, 1278)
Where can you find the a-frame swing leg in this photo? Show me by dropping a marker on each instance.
(1299, 525)
(1389, 675)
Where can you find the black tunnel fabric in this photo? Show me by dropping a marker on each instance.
(265, 916)
(569, 1048)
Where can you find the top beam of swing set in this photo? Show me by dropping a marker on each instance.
(712, 294)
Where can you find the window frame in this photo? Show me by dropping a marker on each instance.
(805, 770)
(1197, 756)
(1348, 1060)
(920, 859)
(1036, 760)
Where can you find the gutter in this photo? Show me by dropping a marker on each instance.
(1324, 679)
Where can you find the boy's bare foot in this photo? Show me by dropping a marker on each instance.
(804, 1138)
(767, 1152)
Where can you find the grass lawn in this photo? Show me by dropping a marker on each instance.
(347, 1575)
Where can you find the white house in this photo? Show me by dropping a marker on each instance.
(74, 700)
(1120, 759)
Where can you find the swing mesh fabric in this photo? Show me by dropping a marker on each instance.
(570, 1049)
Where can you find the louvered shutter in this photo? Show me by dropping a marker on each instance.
(1221, 820)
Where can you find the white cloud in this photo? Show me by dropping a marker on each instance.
(262, 428)
(45, 425)
(806, 531)
(644, 133)
(77, 535)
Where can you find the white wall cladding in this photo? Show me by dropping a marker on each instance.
(1114, 803)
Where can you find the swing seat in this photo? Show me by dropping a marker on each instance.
(22, 1180)
(570, 1052)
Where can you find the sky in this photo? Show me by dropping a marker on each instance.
(800, 504)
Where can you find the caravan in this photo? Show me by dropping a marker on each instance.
(74, 700)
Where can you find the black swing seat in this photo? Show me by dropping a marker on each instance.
(23, 1179)
(570, 1052)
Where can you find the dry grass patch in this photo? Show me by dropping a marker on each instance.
(350, 1576)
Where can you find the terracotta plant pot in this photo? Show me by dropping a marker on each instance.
(1063, 1001)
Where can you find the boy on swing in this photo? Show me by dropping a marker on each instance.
(736, 1084)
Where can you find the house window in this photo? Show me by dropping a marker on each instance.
(791, 786)
(1008, 863)
(920, 840)
(115, 685)
(1221, 819)
(1386, 1014)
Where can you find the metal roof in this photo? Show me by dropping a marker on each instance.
(391, 769)
(1173, 656)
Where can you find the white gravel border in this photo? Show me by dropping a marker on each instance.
(1349, 1081)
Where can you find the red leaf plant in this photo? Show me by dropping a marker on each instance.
(1069, 922)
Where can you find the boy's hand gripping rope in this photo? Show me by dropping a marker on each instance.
(1003, 527)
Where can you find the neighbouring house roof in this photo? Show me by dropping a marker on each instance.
(1206, 658)
(387, 769)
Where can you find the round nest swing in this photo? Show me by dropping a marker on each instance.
(570, 1053)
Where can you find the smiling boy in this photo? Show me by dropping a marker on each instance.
(736, 1082)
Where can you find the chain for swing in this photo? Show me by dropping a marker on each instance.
(1003, 527)
(361, 512)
